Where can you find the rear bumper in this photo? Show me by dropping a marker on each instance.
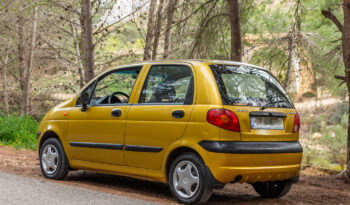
(252, 161)
(240, 147)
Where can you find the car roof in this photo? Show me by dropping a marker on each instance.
(194, 61)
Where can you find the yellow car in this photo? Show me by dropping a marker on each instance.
(194, 124)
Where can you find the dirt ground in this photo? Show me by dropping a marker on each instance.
(314, 187)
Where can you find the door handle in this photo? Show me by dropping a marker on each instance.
(116, 112)
(178, 114)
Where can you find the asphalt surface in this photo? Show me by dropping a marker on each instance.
(16, 189)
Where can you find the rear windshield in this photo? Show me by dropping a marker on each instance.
(248, 86)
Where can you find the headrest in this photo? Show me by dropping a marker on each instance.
(164, 91)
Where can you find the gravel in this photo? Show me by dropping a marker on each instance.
(22, 190)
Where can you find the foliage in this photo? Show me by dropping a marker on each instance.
(19, 132)
(334, 139)
(338, 115)
(329, 149)
(273, 59)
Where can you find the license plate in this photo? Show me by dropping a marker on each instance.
(268, 123)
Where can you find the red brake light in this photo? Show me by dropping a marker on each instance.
(296, 126)
(223, 118)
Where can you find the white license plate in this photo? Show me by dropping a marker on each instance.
(268, 123)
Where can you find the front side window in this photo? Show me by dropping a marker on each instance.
(168, 84)
(113, 88)
(247, 86)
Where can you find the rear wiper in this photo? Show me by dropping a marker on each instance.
(271, 103)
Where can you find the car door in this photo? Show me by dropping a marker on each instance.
(97, 135)
(159, 115)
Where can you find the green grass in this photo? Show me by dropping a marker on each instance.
(18, 132)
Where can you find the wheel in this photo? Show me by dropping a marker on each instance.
(188, 179)
(275, 189)
(53, 160)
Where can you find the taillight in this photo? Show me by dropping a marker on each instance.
(296, 126)
(223, 118)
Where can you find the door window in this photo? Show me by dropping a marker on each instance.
(168, 84)
(113, 88)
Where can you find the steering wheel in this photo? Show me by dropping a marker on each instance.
(115, 93)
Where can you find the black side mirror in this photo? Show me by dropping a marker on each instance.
(84, 99)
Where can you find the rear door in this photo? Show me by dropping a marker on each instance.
(160, 115)
(263, 108)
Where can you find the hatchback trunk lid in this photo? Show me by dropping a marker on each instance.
(247, 114)
(263, 108)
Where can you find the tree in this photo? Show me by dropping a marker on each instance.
(150, 31)
(4, 80)
(167, 34)
(345, 29)
(89, 53)
(236, 32)
(293, 34)
(26, 55)
(157, 30)
(202, 25)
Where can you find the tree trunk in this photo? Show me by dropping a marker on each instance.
(77, 52)
(27, 77)
(170, 17)
(293, 33)
(290, 59)
(236, 33)
(89, 57)
(150, 31)
(345, 29)
(21, 59)
(157, 31)
(4, 82)
(346, 57)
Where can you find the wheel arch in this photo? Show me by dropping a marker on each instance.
(53, 134)
(174, 154)
(213, 182)
(47, 135)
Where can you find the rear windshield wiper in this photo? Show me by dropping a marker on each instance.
(271, 103)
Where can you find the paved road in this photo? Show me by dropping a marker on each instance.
(21, 190)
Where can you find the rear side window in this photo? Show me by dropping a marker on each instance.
(247, 86)
(168, 84)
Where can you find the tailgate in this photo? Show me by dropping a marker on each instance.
(271, 124)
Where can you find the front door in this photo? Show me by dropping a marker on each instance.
(160, 115)
(97, 135)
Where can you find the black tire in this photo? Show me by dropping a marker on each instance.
(202, 190)
(275, 189)
(60, 162)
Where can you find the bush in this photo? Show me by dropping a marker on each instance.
(19, 132)
(341, 109)
(334, 140)
(309, 95)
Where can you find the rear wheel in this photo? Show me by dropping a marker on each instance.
(53, 161)
(275, 189)
(188, 179)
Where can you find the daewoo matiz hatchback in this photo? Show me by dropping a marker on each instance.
(193, 124)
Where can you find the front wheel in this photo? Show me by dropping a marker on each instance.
(188, 179)
(53, 161)
(275, 189)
